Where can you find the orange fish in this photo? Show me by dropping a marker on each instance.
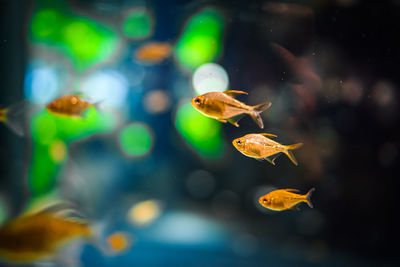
(223, 107)
(260, 147)
(284, 199)
(153, 52)
(69, 105)
(39, 235)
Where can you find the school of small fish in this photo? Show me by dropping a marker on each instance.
(40, 234)
(223, 107)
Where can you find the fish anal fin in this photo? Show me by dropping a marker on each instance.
(234, 120)
(295, 208)
(234, 92)
(271, 160)
(234, 123)
(268, 135)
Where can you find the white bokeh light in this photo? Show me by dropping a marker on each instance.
(106, 86)
(210, 77)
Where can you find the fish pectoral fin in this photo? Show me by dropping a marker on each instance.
(234, 92)
(260, 159)
(224, 121)
(268, 135)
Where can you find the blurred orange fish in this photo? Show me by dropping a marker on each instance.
(223, 107)
(284, 199)
(69, 105)
(260, 147)
(153, 52)
(305, 82)
(39, 235)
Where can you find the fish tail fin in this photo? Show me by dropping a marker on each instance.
(98, 105)
(14, 117)
(308, 197)
(255, 113)
(290, 154)
(3, 115)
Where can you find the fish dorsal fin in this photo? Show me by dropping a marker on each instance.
(233, 93)
(291, 190)
(268, 135)
(63, 211)
(71, 215)
(46, 203)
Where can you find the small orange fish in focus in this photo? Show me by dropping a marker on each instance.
(153, 52)
(69, 105)
(37, 236)
(283, 199)
(260, 147)
(223, 107)
(119, 241)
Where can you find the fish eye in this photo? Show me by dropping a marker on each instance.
(197, 100)
(74, 100)
(264, 200)
(239, 142)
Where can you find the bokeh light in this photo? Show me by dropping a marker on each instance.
(58, 150)
(152, 53)
(48, 130)
(119, 241)
(187, 228)
(210, 77)
(145, 212)
(352, 90)
(83, 40)
(201, 40)
(138, 24)
(156, 101)
(382, 94)
(106, 86)
(203, 134)
(41, 84)
(136, 140)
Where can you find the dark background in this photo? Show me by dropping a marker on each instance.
(356, 194)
